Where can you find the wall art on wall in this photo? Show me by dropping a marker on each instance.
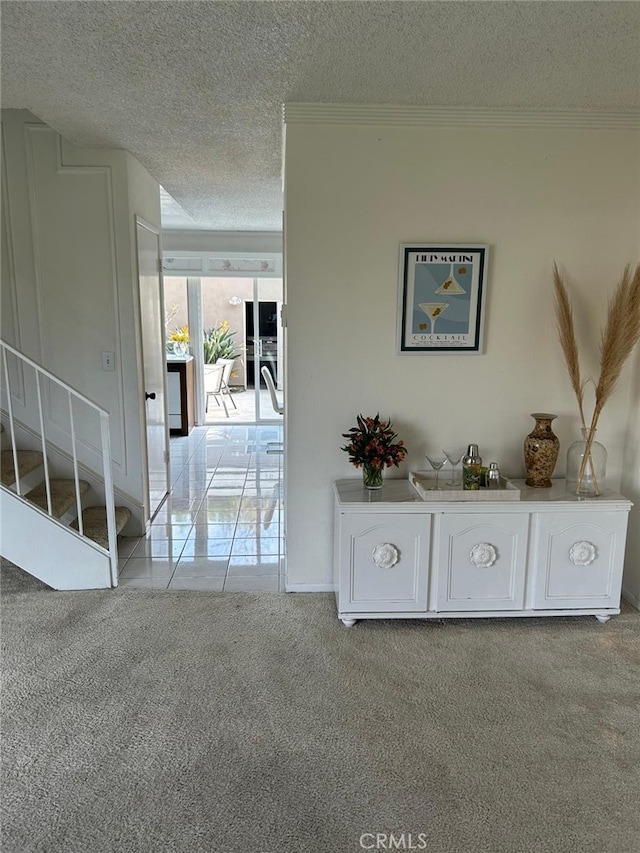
(441, 296)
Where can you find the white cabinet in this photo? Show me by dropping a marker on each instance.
(549, 553)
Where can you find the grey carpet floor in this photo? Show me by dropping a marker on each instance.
(143, 720)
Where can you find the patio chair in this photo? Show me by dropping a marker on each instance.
(273, 446)
(227, 365)
(213, 376)
(268, 378)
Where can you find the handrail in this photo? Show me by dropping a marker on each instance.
(53, 377)
(72, 393)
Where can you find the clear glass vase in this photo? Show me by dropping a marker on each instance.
(372, 476)
(586, 473)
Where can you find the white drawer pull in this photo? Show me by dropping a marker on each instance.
(583, 553)
(483, 555)
(385, 555)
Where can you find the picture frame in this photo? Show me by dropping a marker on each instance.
(441, 298)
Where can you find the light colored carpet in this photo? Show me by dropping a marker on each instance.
(196, 722)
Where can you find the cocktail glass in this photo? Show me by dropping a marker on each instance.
(436, 459)
(433, 310)
(450, 285)
(454, 455)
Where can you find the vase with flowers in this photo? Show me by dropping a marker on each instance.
(586, 459)
(372, 446)
(178, 341)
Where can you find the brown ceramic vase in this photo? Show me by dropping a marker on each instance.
(541, 448)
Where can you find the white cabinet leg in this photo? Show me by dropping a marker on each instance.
(603, 617)
(349, 623)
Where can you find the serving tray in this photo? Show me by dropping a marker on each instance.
(422, 482)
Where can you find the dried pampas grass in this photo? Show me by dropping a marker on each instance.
(619, 336)
(566, 332)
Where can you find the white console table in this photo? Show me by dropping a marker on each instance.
(547, 554)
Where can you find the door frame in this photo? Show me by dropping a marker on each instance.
(140, 222)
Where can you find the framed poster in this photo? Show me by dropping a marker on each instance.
(441, 295)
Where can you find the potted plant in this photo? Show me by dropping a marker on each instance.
(219, 343)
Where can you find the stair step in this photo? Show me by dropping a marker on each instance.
(94, 520)
(63, 495)
(28, 461)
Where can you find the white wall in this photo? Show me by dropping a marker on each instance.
(353, 193)
(68, 228)
(630, 487)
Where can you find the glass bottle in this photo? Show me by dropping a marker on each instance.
(471, 465)
(493, 476)
(586, 478)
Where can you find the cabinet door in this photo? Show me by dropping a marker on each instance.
(579, 559)
(481, 560)
(384, 562)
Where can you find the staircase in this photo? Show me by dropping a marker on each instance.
(63, 496)
(46, 528)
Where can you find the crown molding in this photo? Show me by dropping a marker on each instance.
(425, 116)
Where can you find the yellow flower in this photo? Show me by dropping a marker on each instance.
(181, 335)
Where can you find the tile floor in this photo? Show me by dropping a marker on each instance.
(221, 528)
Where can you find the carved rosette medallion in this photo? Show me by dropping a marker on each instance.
(483, 555)
(583, 553)
(385, 555)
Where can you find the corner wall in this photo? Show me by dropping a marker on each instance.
(353, 193)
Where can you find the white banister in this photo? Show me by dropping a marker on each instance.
(12, 432)
(73, 397)
(76, 478)
(109, 498)
(42, 370)
(47, 483)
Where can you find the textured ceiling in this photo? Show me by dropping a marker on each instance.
(194, 89)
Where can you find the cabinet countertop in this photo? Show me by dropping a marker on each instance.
(399, 491)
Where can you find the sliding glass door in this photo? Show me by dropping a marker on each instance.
(264, 337)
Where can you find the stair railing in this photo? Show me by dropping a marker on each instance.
(72, 395)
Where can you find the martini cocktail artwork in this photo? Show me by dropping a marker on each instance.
(444, 283)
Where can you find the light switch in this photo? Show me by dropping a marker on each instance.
(108, 361)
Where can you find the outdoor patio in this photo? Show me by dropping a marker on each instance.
(245, 411)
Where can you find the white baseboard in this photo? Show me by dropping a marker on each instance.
(631, 598)
(309, 587)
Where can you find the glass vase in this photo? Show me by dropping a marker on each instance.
(586, 473)
(372, 476)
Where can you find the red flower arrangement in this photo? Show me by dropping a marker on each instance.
(372, 443)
